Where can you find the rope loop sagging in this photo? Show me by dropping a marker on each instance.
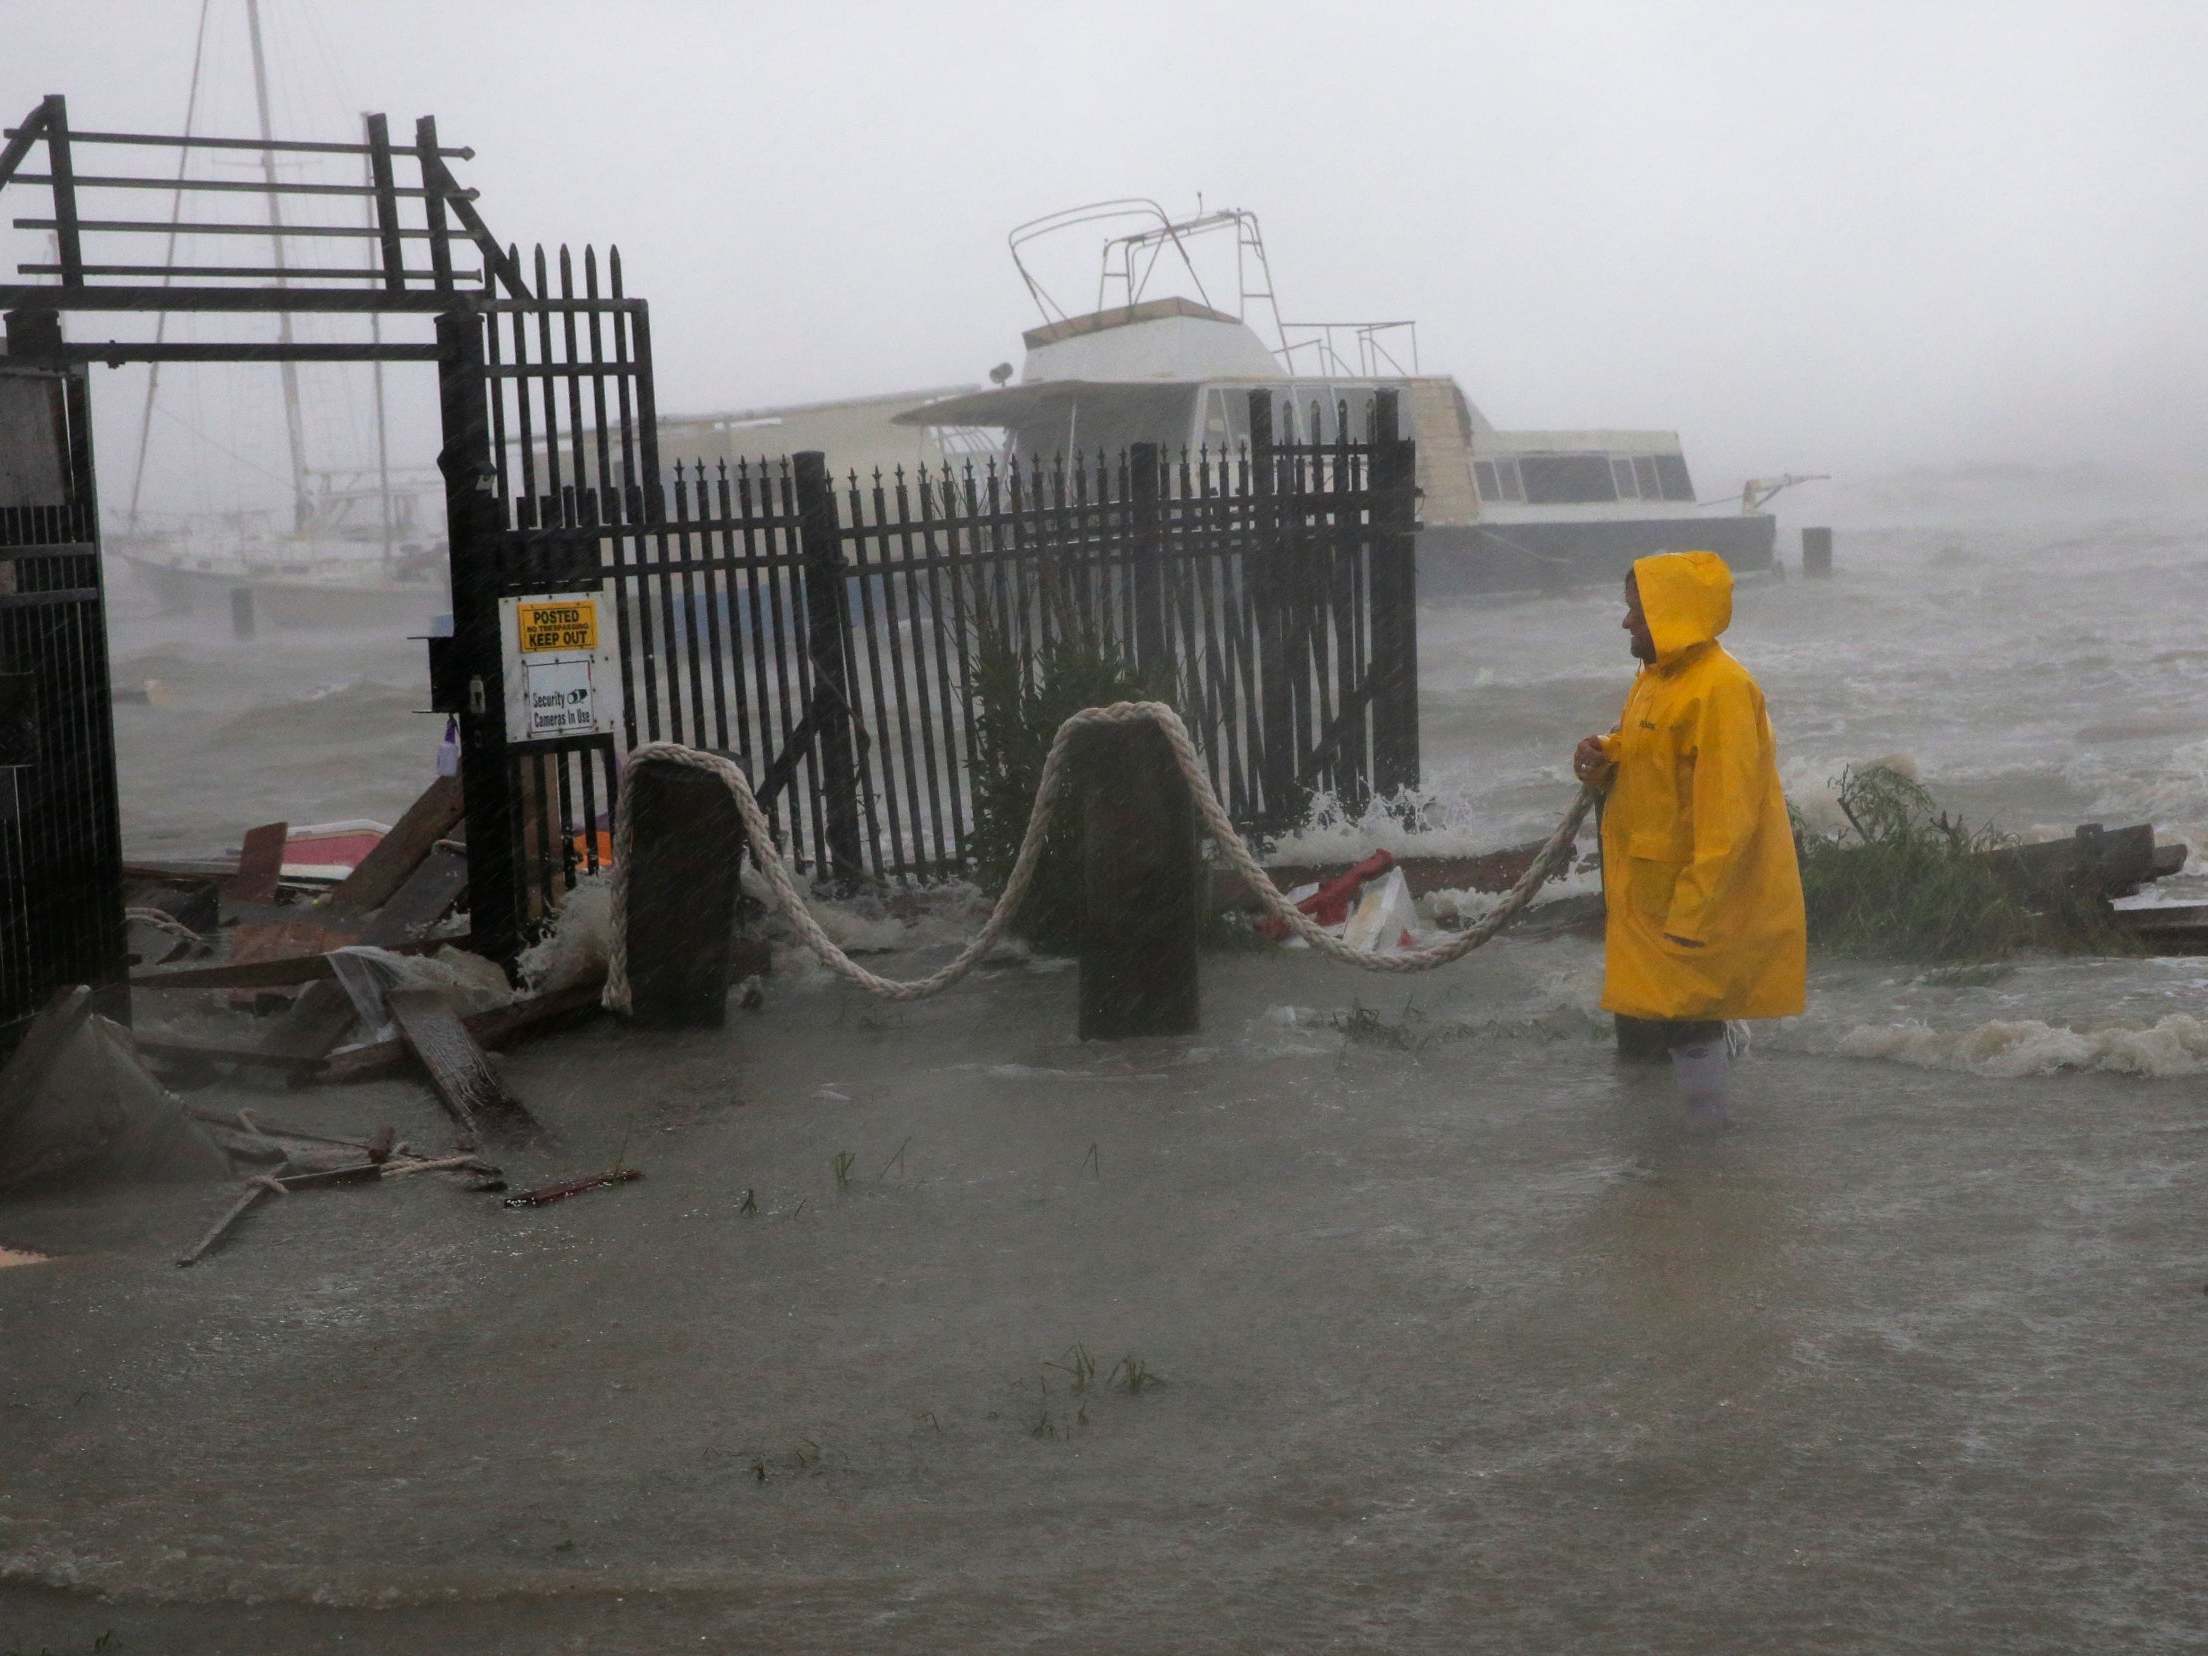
(792, 903)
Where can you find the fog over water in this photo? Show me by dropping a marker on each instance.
(1845, 238)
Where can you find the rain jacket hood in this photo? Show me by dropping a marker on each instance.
(1703, 897)
(1687, 597)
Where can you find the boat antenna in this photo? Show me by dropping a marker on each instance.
(168, 261)
(294, 429)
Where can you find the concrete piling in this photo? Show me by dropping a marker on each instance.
(1140, 886)
(1817, 554)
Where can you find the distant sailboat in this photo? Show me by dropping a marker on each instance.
(356, 554)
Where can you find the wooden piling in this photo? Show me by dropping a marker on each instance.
(1817, 554)
(685, 842)
(244, 623)
(1140, 886)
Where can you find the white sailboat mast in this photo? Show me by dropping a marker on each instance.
(294, 428)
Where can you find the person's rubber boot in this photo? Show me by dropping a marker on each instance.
(1701, 1071)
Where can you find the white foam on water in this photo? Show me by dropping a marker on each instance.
(1456, 907)
(1426, 822)
(2010, 1048)
(574, 949)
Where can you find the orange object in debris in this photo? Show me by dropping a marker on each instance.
(581, 843)
(1330, 904)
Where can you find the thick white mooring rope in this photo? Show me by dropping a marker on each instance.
(792, 903)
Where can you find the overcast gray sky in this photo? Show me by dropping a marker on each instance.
(1843, 237)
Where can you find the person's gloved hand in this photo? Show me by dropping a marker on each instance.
(1588, 760)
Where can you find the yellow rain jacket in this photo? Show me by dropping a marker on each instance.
(1704, 896)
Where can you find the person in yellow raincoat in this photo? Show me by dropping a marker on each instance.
(1702, 892)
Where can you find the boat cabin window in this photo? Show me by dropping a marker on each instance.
(1671, 469)
(1583, 479)
(1566, 479)
(1226, 415)
(1498, 480)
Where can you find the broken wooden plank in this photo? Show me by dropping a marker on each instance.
(285, 972)
(380, 874)
(260, 864)
(364, 1172)
(461, 1076)
(176, 1050)
(2108, 862)
(290, 939)
(50, 1030)
(426, 897)
(322, 1016)
(2168, 928)
(544, 1194)
(180, 868)
(495, 1030)
(261, 1184)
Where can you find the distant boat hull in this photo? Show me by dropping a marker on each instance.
(334, 601)
(1467, 560)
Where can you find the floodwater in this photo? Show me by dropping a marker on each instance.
(1463, 1344)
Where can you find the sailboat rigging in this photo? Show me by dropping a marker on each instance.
(339, 563)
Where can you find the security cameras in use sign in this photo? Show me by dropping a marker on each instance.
(559, 682)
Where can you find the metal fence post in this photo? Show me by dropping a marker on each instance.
(1265, 573)
(1147, 557)
(824, 628)
(1394, 480)
(475, 523)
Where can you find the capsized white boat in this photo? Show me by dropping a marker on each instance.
(1500, 509)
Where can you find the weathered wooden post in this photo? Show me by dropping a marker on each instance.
(1817, 554)
(686, 841)
(1394, 519)
(831, 708)
(243, 622)
(1139, 885)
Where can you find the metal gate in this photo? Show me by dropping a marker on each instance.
(555, 662)
(61, 911)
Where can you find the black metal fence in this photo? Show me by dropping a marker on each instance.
(822, 631)
(61, 916)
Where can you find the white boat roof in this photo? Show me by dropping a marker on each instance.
(1023, 404)
(1587, 441)
(1158, 340)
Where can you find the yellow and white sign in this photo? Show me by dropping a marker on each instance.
(560, 628)
(563, 677)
